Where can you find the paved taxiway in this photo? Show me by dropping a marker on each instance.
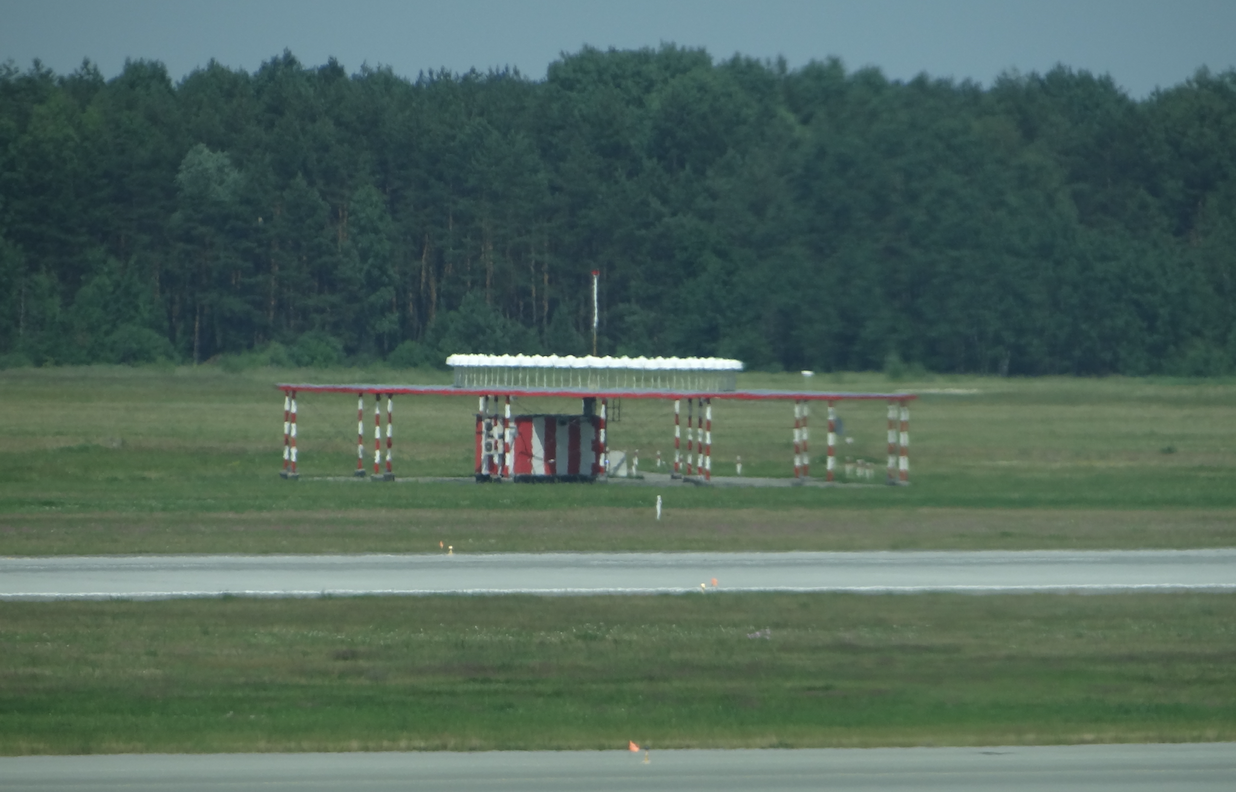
(614, 573)
(1097, 768)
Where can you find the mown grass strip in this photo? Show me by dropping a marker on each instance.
(568, 529)
(715, 670)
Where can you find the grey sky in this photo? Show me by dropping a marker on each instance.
(1142, 44)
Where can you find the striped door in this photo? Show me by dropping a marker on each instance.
(556, 445)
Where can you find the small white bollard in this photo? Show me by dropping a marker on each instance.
(658, 507)
(635, 464)
(738, 465)
(658, 460)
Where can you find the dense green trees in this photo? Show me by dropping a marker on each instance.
(810, 218)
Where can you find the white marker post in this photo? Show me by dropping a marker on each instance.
(658, 507)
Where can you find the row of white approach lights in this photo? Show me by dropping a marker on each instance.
(593, 362)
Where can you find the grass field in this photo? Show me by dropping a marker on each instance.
(737, 670)
(112, 459)
(118, 460)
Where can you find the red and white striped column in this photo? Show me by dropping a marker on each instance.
(690, 471)
(805, 434)
(903, 462)
(707, 439)
(491, 455)
(287, 412)
(677, 453)
(292, 438)
(482, 409)
(604, 438)
(892, 441)
(506, 440)
(798, 456)
(360, 436)
(390, 418)
(377, 435)
(832, 441)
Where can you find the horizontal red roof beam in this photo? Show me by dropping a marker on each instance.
(584, 393)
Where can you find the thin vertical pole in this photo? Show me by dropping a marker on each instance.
(708, 441)
(832, 440)
(287, 407)
(377, 434)
(390, 418)
(595, 311)
(690, 471)
(360, 435)
(797, 440)
(892, 441)
(506, 440)
(677, 402)
(293, 474)
(904, 462)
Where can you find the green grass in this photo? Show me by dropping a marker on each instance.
(478, 673)
(699, 528)
(119, 460)
(114, 459)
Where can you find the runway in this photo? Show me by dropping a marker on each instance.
(1099, 768)
(160, 577)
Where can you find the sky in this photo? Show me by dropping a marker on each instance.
(1141, 44)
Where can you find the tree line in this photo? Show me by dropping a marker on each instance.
(793, 218)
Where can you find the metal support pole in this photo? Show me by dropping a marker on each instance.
(677, 455)
(690, 471)
(904, 462)
(506, 440)
(797, 440)
(481, 409)
(377, 435)
(708, 440)
(806, 450)
(287, 411)
(832, 440)
(360, 436)
(491, 455)
(292, 438)
(892, 441)
(390, 417)
(604, 439)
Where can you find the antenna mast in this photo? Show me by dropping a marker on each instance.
(595, 275)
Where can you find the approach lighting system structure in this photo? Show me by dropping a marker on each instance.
(575, 447)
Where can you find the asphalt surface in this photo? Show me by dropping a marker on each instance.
(1102, 768)
(155, 577)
